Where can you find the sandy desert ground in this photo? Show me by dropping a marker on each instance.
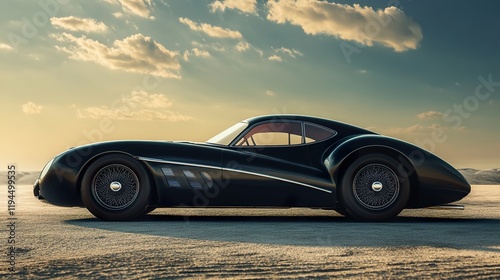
(65, 243)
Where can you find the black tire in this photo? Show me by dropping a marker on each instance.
(373, 189)
(343, 212)
(148, 210)
(116, 188)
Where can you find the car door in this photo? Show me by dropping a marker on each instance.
(269, 165)
(187, 174)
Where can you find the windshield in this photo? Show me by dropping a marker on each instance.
(228, 135)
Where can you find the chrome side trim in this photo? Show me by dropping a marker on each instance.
(448, 207)
(232, 170)
(277, 178)
(178, 163)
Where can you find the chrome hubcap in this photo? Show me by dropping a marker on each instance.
(376, 186)
(115, 186)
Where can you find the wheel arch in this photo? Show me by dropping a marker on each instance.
(405, 165)
(88, 163)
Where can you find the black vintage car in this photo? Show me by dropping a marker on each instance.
(266, 161)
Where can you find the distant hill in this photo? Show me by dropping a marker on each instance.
(22, 178)
(473, 176)
(481, 177)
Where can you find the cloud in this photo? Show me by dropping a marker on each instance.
(185, 55)
(196, 52)
(430, 115)
(214, 46)
(31, 108)
(281, 52)
(245, 6)
(139, 8)
(6, 47)
(290, 52)
(275, 58)
(139, 106)
(270, 93)
(414, 129)
(104, 112)
(210, 30)
(72, 23)
(200, 53)
(422, 129)
(362, 71)
(146, 100)
(137, 54)
(389, 27)
(242, 46)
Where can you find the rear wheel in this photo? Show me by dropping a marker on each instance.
(372, 188)
(116, 187)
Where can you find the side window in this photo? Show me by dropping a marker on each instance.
(316, 133)
(273, 134)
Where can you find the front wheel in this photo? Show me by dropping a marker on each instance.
(116, 187)
(372, 189)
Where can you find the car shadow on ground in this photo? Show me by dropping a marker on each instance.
(323, 231)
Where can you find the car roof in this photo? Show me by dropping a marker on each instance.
(311, 119)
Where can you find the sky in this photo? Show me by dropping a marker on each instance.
(76, 72)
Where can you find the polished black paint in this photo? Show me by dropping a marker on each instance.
(210, 175)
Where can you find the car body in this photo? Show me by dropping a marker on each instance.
(265, 161)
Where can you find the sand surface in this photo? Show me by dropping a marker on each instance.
(64, 243)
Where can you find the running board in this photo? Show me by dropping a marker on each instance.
(448, 207)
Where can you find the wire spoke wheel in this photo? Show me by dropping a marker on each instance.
(115, 187)
(376, 186)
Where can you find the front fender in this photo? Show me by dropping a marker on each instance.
(351, 146)
(58, 183)
(436, 181)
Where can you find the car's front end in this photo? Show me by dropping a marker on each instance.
(434, 181)
(57, 181)
(439, 183)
